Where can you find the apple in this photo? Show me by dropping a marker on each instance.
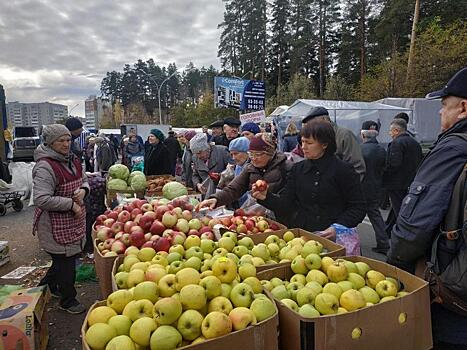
(135, 212)
(262, 225)
(146, 207)
(231, 235)
(205, 229)
(99, 334)
(193, 262)
(121, 279)
(160, 260)
(175, 266)
(193, 297)
(162, 244)
(108, 254)
(154, 274)
(126, 240)
(192, 241)
(345, 285)
(356, 280)
(395, 281)
(118, 247)
(207, 235)
(100, 314)
(157, 228)
(386, 288)
(141, 329)
(140, 265)
(254, 283)
(260, 186)
(337, 271)
(165, 337)
(216, 324)
(137, 238)
(121, 342)
(242, 295)
(131, 251)
(178, 237)
(195, 224)
(241, 318)
(128, 225)
(369, 294)
(104, 233)
(189, 324)
(291, 304)
(224, 269)
(146, 290)
(318, 276)
(298, 265)
(121, 324)
(362, 268)
(137, 309)
(226, 289)
(167, 285)
(146, 254)
(113, 215)
(352, 300)
(315, 286)
(212, 285)
(373, 277)
(298, 278)
(124, 216)
(185, 277)
(182, 225)
(326, 304)
(280, 292)
(246, 270)
(246, 242)
(134, 277)
(208, 245)
(194, 251)
(100, 219)
(308, 311)
(108, 243)
(333, 288)
(145, 222)
(167, 311)
(169, 219)
(227, 243)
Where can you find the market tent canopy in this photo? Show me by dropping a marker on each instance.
(349, 114)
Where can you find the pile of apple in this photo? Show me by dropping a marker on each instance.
(324, 286)
(157, 224)
(246, 225)
(164, 309)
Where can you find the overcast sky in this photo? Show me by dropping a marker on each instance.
(59, 50)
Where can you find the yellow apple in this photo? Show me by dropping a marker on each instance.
(100, 314)
(216, 324)
(141, 329)
(326, 304)
(352, 300)
(99, 334)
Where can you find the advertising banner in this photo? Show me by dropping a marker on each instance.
(239, 94)
(253, 117)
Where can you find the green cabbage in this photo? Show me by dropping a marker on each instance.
(117, 184)
(138, 182)
(119, 171)
(173, 190)
(133, 174)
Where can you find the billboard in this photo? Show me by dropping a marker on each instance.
(239, 93)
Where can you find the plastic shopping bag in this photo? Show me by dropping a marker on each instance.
(348, 237)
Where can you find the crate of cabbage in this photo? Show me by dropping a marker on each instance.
(349, 303)
(120, 180)
(216, 309)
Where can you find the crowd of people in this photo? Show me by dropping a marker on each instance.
(320, 178)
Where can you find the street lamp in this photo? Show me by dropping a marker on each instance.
(72, 108)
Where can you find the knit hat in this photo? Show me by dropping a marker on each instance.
(189, 134)
(262, 142)
(199, 143)
(52, 132)
(73, 124)
(99, 139)
(240, 144)
(315, 112)
(157, 133)
(251, 127)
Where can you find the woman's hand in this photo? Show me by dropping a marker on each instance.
(201, 188)
(78, 197)
(261, 195)
(208, 203)
(76, 209)
(329, 233)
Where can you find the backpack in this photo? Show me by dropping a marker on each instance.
(446, 271)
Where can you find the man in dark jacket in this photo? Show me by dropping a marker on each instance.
(424, 208)
(375, 159)
(76, 128)
(403, 157)
(175, 151)
(231, 126)
(216, 131)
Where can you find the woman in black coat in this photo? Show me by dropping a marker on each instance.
(323, 190)
(156, 156)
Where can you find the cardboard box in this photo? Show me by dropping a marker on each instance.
(379, 324)
(4, 253)
(23, 320)
(103, 267)
(332, 249)
(117, 262)
(262, 336)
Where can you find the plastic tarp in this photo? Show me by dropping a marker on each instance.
(426, 120)
(349, 114)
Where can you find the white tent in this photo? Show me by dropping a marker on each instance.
(349, 114)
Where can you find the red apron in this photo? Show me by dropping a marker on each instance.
(66, 228)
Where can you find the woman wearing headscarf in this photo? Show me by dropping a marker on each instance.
(290, 139)
(59, 187)
(156, 157)
(187, 169)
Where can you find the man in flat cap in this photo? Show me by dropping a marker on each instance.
(432, 222)
(348, 148)
(216, 131)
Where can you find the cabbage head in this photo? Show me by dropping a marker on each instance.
(138, 182)
(119, 171)
(173, 190)
(117, 184)
(133, 174)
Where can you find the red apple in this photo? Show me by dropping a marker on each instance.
(207, 235)
(154, 203)
(193, 232)
(239, 212)
(250, 224)
(117, 227)
(107, 212)
(126, 239)
(155, 238)
(113, 215)
(169, 219)
(226, 221)
(237, 220)
(157, 228)
(162, 244)
(137, 238)
(170, 206)
(145, 222)
(147, 244)
(128, 225)
(146, 207)
(135, 212)
(168, 233)
(108, 243)
(137, 218)
(242, 229)
(260, 186)
(100, 219)
(118, 235)
(124, 216)
(213, 222)
(138, 203)
(118, 209)
(233, 227)
(109, 222)
(104, 233)
(160, 211)
(118, 247)
(274, 226)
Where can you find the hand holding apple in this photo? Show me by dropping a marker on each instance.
(208, 203)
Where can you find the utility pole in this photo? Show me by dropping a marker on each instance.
(3, 125)
(416, 15)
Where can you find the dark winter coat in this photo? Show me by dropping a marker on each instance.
(375, 159)
(134, 149)
(156, 160)
(348, 149)
(187, 167)
(175, 150)
(289, 143)
(222, 140)
(403, 158)
(322, 192)
(105, 156)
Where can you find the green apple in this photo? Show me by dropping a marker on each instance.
(276, 281)
(373, 277)
(242, 295)
(192, 241)
(193, 297)
(206, 266)
(174, 256)
(226, 289)
(146, 254)
(313, 261)
(193, 262)
(274, 249)
(221, 304)
(224, 269)
(288, 236)
(351, 267)
(194, 251)
(233, 257)
(352, 300)
(189, 324)
(121, 279)
(160, 260)
(227, 243)
(263, 308)
(100, 314)
(337, 271)
(129, 261)
(293, 287)
(290, 254)
(305, 295)
(362, 268)
(121, 342)
(280, 292)
(146, 290)
(261, 251)
(315, 286)
(167, 310)
(267, 285)
(356, 280)
(246, 270)
(257, 261)
(220, 252)
(121, 324)
(326, 304)
(292, 305)
(395, 281)
(388, 298)
(231, 235)
(333, 288)
(212, 285)
(247, 258)
(208, 245)
(118, 300)
(325, 262)
(167, 286)
(241, 318)
(308, 311)
(318, 276)
(177, 248)
(309, 248)
(386, 288)
(139, 266)
(99, 334)
(341, 310)
(369, 294)
(166, 337)
(135, 277)
(246, 242)
(137, 309)
(298, 265)
(154, 273)
(186, 276)
(216, 324)
(240, 251)
(175, 266)
(141, 329)
(298, 278)
(254, 283)
(345, 285)
(272, 239)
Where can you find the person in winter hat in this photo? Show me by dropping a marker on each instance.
(249, 130)
(187, 169)
(75, 127)
(239, 152)
(156, 157)
(59, 188)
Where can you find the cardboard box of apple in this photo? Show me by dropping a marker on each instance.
(165, 308)
(370, 302)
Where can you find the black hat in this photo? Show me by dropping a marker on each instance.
(73, 124)
(232, 122)
(370, 125)
(456, 86)
(315, 112)
(217, 124)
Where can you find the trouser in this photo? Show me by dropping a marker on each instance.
(396, 197)
(372, 210)
(61, 277)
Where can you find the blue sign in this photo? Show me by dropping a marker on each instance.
(238, 93)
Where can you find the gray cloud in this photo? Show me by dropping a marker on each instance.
(60, 50)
